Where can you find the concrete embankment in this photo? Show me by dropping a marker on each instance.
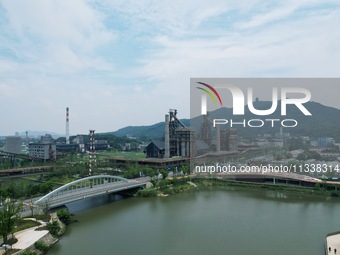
(48, 240)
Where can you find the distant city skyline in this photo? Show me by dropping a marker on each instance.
(126, 63)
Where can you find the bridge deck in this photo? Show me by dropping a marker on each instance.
(72, 192)
(83, 193)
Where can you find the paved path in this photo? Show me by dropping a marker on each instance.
(29, 236)
(333, 241)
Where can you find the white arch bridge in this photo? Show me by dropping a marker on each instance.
(89, 187)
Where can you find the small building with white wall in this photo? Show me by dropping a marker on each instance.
(43, 151)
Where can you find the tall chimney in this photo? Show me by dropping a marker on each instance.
(92, 152)
(218, 138)
(27, 138)
(167, 137)
(67, 126)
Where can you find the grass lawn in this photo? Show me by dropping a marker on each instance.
(22, 224)
(11, 251)
(126, 155)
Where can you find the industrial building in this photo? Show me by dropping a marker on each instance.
(46, 152)
(185, 142)
(155, 149)
(47, 138)
(101, 145)
(228, 139)
(178, 141)
(13, 144)
(63, 147)
(181, 141)
(79, 139)
(98, 145)
(212, 139)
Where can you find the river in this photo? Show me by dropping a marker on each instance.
(210, 221)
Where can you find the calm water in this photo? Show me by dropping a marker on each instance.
(216, 221)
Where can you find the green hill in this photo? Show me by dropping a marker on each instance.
(324, 122)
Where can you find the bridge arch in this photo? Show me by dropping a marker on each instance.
(81, 184)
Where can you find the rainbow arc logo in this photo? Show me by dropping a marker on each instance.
(213, 94)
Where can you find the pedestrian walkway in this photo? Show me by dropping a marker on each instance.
(333, 242)
(27, 237)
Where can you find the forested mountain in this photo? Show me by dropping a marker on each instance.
(324, 122)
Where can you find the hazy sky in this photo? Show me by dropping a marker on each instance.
(120, 63)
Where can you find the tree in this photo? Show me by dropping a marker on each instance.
(185, 169)
(163, 184)
(154, 181)
(8, 215)
(54, 228)
(64, 216)
(164, 173)
(309, 155)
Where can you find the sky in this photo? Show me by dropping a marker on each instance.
(125, 63)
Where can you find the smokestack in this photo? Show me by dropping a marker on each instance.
(218, 138)
(67, 126)
(26, 138)
(166, 138)
(92, 152)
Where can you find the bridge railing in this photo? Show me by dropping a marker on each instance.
(81, 184)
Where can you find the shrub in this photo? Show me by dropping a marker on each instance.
(163, 184)
(334, 194)
(41, 246)
(29, 253)
(64, 216)
(54, 228)
(147, 193)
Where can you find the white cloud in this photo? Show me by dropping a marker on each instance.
(56, 34)
(175, 17)
(70, 22)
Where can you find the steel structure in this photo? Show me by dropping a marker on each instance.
(67, 126)
(167, 137)
(178, 139)
(27, 142)
(92, 152)
(226, 139)
(88, 187)
(185, 142)
(205, 129)
(174, 125)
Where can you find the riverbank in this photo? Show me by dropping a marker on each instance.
(38, 239)
(173, 186)
(317, 190)
(170, 186)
